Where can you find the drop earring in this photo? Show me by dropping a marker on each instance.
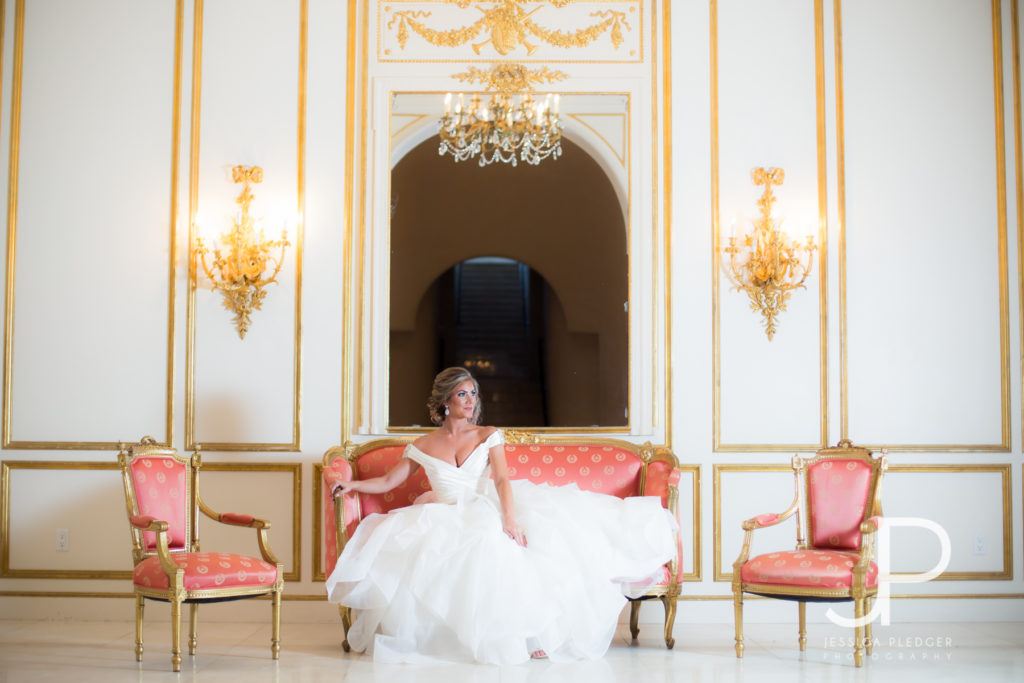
(446, 410)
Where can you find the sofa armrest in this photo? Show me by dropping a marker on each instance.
(339, 521)
(662, 480)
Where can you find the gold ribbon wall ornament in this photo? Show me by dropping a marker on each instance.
(508, 24)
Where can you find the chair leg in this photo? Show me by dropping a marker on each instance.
(858, 638)
(634, 618)
(867, 628)
(175, 635)
(140, 609)
(275, 639)
(803, 625)
(193, 622)
(346, 624)
(670, 619)
(737, 604)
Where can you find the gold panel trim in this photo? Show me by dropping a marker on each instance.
(5, 524)
(318, 527)
(1004, 323)
(1007, 572)
(300, 181)
(716, 226)
(716, 524)
(1005, 575)
(6, 424)
(697, 574)
(296, 471)
(5, 515)
(1018, 166)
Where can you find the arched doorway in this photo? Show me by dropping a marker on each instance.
(563, 221)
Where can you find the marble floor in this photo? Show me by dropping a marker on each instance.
(41, 651)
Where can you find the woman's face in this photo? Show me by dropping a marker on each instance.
(462, 402)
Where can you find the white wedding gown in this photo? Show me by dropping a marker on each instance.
(442, 581)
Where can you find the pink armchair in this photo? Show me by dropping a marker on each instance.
(838, 497)
(162, 497)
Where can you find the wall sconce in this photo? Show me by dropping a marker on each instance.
(241, 260)
(767, 266)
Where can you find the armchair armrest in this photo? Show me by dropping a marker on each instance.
(236, 519)
(148, 523)
(871, 524)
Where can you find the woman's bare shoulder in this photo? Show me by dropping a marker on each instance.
(425, 440)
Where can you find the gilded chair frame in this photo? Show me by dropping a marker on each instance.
(176, 594)
(668, 594)
(859, 592)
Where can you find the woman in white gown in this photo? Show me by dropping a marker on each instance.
(490, 570)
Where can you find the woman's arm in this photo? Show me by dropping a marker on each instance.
(499, 470)
(382, 484)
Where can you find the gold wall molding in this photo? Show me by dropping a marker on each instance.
(1006, 574)
(1000, 158)
(5, 523)
(494, 29)
(1018, 167)
(295, 469)
(192, 440)
(7, 438)
(719, 446)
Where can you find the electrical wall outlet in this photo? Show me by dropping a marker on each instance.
(63, 540)
(979, 544)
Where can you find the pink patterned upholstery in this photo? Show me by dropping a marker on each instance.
(160, 492)
(599, 468)
(767, 518)
(837, 492)
(207, 570)
(806, 568)
(602, 469)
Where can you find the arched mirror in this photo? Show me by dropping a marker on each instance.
(518, 273)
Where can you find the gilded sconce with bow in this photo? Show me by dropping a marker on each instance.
(766, 264)
(242, 259)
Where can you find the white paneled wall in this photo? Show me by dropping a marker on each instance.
(895, 122)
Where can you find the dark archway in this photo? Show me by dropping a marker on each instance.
(563, 218)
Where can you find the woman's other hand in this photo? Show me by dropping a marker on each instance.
(344, 487)
(513, 531)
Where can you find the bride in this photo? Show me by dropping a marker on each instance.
(490, 569)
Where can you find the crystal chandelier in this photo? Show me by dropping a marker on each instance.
(510, 128)
(766, 264)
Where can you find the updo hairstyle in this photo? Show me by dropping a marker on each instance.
(444, 387)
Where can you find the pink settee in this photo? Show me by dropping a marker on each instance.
(610, 466)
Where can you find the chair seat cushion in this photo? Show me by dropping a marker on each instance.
(806, 568)
(205, 571)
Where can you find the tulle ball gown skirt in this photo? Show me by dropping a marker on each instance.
(444, 582)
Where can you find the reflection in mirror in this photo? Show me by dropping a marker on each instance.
(518, 273)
